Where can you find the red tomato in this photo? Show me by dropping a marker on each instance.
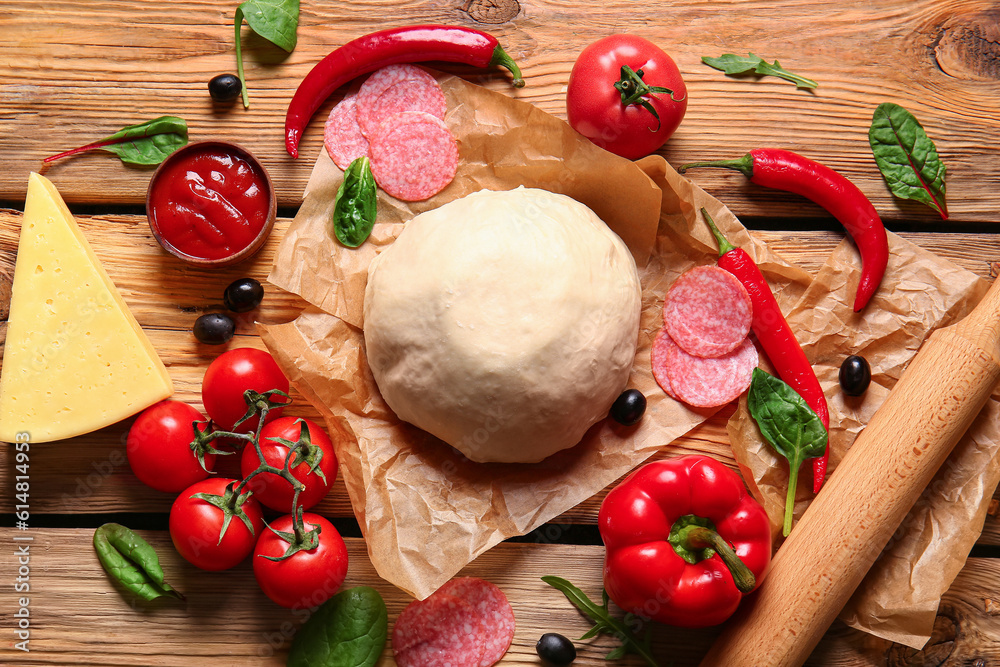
(307, 578)
(232, 373)
(159, 447)
(276, 492)
(195, 525)
(595, 107)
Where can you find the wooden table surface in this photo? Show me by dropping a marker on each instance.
(73, 71)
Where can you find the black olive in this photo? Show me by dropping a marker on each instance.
(225, 87)
(555, 649)
(243, 295)
(214, 328)
(628, 407)
(855, 375)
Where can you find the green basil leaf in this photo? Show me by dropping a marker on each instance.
(132, 562)
(277, 21)
(788, 423)
(356, 205)
(784, 417)
(348, 630)
(143, 144)
(150, 142)
(907, 157)
(730, 63)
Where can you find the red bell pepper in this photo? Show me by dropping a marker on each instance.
(685, 542)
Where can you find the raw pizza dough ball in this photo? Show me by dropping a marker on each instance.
(504, 323)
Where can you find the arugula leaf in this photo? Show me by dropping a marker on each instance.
(731, 63)
(907, 157)
(605, 622)
(348, 630)
(277, 21)
(146, 143)
(356, 204)
(792, 428)
(132, 562)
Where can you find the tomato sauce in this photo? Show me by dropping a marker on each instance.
(210, 203)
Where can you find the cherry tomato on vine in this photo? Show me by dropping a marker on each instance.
(195, 526)
(276, 492)
(158, 447)
(229, 375)
(307, 578)
(611, 104)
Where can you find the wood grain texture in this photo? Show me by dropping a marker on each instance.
(75, 72)
(80, 617)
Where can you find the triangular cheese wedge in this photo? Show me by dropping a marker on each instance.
(75, 360)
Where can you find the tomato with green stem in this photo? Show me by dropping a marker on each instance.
(314, 463)
(230, 376)
(212, 526)
(163, 447)
(300, 567)
(626, 95)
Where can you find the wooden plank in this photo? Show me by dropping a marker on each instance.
(79, 616)
(80, 71)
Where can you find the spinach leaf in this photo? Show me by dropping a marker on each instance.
(275, 20)
(355, 207)
(132, 562)
(142, 144)
(907, 157)
(348, 630)
(605, 622)
(730, 63)
(789, 425)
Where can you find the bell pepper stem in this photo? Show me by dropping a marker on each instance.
(743, 165)
(701, 537)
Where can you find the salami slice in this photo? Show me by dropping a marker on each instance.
(342, 135)
(707, 312)
(441, 631)
(414, 155)
(492, 607)
(713, 381)
(662, 345)
(416, 89)
(404, 96)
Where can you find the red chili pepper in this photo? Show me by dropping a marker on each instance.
(366, 54)
(785, 170)
(667, 530)
(776, 337)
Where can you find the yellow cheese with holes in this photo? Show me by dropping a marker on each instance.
(75, 360)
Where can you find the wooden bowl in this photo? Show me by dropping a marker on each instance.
(166, 170)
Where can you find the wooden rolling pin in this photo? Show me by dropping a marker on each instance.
(847, 525)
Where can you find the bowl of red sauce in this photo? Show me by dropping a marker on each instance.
(211, 203)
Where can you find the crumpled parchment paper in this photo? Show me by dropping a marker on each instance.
(426, 511)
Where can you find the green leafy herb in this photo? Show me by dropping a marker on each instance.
(730, 63)
(907, 157)
(355, 208)
(789, 424)
(605, 622)
(132, 562)
(143, 144)
(275, 20)
(348, 630)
